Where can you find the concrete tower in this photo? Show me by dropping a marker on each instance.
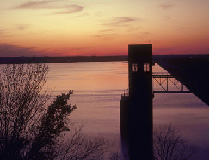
(136, 108)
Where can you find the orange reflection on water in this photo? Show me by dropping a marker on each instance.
(85, 76)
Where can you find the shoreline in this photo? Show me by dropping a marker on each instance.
(75, 59)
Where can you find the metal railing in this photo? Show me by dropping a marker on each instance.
(125, 94)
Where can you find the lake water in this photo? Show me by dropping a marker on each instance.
(97, 89)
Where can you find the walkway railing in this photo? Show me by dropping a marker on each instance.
(163, 79)
(125, 94)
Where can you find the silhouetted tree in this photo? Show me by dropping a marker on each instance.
(29, 128)
(115, 156)
(170, 145)
(80, 147)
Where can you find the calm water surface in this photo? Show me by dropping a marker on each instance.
(97, 89)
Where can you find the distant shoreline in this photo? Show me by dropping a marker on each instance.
(75, 59)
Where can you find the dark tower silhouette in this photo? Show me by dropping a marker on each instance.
(136, 107)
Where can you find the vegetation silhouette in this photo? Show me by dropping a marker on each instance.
(168, 144)
(31, 129)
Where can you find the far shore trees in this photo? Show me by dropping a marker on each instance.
(31, 129)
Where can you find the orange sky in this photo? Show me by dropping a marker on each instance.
(95, 27)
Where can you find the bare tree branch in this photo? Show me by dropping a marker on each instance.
(170, 145)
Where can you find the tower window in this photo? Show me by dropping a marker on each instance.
(134, 67)
(146, 67)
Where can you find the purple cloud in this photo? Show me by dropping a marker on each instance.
(21, 27)
(120, 21)
(65, 9)
(71, 9)
(107, 30)
(9, 50)
(4, 33)
(166, 5)
(107, 37)
(34, 5)
(103, 35)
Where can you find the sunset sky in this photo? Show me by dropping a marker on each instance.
(96, 27)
